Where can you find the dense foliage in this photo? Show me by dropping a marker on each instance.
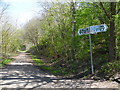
(68, 52)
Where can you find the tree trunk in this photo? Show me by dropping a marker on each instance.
(112, 37)
(73, 30)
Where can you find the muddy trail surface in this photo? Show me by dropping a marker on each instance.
(21, 73)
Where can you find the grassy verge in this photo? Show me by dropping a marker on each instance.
(107, 70)
(45, 66)
(5, 61)
(110, 68)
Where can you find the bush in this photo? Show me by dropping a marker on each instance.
(111, 68)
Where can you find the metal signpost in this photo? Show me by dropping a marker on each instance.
(92, 30)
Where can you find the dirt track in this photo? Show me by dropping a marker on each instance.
(21, 73)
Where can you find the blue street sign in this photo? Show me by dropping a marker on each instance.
(98, 28)
(83, 31)
(93, 29)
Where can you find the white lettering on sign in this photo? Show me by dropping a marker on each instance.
(93, 29)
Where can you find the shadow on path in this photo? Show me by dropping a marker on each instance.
(21, 73)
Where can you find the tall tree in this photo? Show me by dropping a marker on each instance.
(112, 33)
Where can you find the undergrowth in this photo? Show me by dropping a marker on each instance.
(5, 62)
(47, 67)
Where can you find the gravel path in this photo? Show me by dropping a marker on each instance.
(21, 73)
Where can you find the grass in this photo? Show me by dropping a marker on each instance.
(22, 51)
(38, 61)
(43, 66)
(5, 61)
(108, 69)
(111, 68)
(33, 56)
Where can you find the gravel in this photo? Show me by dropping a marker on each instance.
(21, 73)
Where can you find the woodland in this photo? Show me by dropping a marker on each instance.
(53, 38)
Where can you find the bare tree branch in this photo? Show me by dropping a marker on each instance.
(4, 7)
(102, 7)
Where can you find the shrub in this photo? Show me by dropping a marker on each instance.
(110, 68)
